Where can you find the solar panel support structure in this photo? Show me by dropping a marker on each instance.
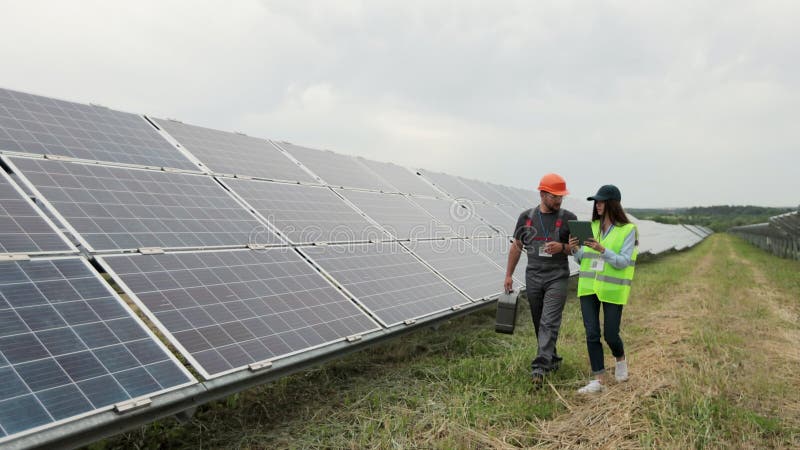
(14, 257)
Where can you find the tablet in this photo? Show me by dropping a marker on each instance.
(581, 229)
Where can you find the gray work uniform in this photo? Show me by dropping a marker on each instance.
(546, 279)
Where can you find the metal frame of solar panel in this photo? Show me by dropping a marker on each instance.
(387, 280)
(473, 273)
(234, 154)
(305, 214)
(457, 214)
(71, 348)
(23, 228)
(32, 124)
(226, 310)
(110, 208)
(336, 169)
(399, 217)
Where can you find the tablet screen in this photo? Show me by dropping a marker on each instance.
(581, 229)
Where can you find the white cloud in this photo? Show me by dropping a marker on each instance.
(679, 103)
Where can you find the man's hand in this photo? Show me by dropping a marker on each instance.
(553, 247)
(508, 285)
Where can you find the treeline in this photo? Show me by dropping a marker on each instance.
(718, 218)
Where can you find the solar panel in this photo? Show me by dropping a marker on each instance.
(475, 274)
(115, 208)
(386, 279)
(456, 215)
(306, 214)
(42, 125)
(397, 215)
(504, 221)
(485, 190)
(402, 179)
(69, 347)
(233, 153)
(452, 186)
(524, 198)
(22, 228)
(497, 249)
(227, 309)
(508, 197)
(336, 169)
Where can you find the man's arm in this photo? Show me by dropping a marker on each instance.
(513, 258)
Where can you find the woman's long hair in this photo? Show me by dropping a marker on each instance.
(613, 210)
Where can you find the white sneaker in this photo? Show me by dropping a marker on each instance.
(593, 387)
(621, 371)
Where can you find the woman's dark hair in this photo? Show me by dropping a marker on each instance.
(614, 211)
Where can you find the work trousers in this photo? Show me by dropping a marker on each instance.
(612, 316)
(546, 299)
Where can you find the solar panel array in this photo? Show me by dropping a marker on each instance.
(335, 169)
(46, 126)
(115, 208)
(235, 154)
(387, 280)
(461, 263)
(306, 214)
(398, 216)
(339, 248)
(780, 236)
(228, 309)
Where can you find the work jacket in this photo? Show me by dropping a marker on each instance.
(610, 284)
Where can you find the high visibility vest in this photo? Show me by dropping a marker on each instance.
(610, 285)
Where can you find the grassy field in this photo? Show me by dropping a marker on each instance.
(713, 341)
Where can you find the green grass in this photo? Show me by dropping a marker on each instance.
(465, 386)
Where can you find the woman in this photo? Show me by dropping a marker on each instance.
(607, 264)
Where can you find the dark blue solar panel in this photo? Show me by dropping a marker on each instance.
(68, 346)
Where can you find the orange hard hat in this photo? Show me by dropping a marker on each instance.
(554, 184)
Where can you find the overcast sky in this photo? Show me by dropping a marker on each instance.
(679, 103)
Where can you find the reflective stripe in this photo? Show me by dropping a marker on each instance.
(590, 255)
(587, 274)
(613, 280)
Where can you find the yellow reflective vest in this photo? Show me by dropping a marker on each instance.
(609, 284)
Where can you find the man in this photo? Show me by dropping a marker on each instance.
(543, 232)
